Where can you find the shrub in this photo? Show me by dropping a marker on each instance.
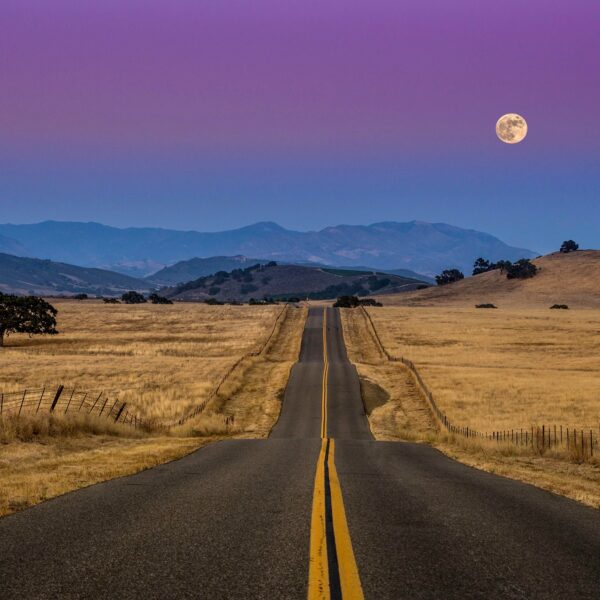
(569, 246)
(449, 276)
(485, 305)
(156, 299)
(133, 298)
(354, 301)
(213, 302)
(522, 269)
(110, 301)
(80, 296)
(560, 306)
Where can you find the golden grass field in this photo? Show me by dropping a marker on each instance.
(161, 360)
(489, 370)
(501, 369)
(169, 358)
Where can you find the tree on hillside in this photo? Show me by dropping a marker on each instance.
(522, 269)
(26, 314)
(449, 276)
(481, 265)
(569, 246)
(133, 298)
(503, 265)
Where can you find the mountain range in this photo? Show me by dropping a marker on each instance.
(417, 246)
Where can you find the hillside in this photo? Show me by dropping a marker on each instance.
(188, 270)
(572, 279)
(44, 277)
(278, 281)
(421, 247)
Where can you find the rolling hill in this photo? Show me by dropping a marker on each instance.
(421, 247)
(188, 270)
(572, 279)
(277, 281)
(20, 275)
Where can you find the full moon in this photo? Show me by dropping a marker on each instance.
(511, 128)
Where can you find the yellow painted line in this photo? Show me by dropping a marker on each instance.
(349, 577)
(325, 375)
(318, 571)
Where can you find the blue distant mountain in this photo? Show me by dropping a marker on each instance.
(417, 246)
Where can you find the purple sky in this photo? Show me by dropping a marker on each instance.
(210, 114)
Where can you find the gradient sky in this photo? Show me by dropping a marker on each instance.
(213, 114)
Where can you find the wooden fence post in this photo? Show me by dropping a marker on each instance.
(1, 402)
(120, 411)
(111, 409)
(102, 409)
(22, 401)
(40, 402)
(94, 405)
(82, 401)
(69, 402)
(59, 391)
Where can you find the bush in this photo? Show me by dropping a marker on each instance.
(80, 296)
(110, 301)
(569, 246)
(133, 298)
(485, 305)
(522, 269)
(354, 301)
(213, 302)
(560, 306)
(449, 276)
(156, 299)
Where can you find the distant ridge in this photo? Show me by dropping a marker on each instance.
(420, 247)
(19, 275)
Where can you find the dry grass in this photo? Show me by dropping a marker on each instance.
(523, 356)
(162, 360)
(252, 394)
(49, 465)
(493, 369)
(170, 358)
(572, 279)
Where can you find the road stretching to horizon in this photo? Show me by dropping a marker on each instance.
(319, 510)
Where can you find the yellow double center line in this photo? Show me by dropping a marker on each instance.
(332, 569)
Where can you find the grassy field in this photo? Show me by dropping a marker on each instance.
(488, 370)
(165, 359)
(502, 369)
(161, 360)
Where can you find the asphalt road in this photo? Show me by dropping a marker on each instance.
(233, 520)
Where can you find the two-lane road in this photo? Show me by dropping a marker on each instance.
(263, 518)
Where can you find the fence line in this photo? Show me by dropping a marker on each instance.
(62, 400)
(579, 441)
(257, 352)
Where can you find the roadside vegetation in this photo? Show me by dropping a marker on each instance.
(488, 370)
(164, 361)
